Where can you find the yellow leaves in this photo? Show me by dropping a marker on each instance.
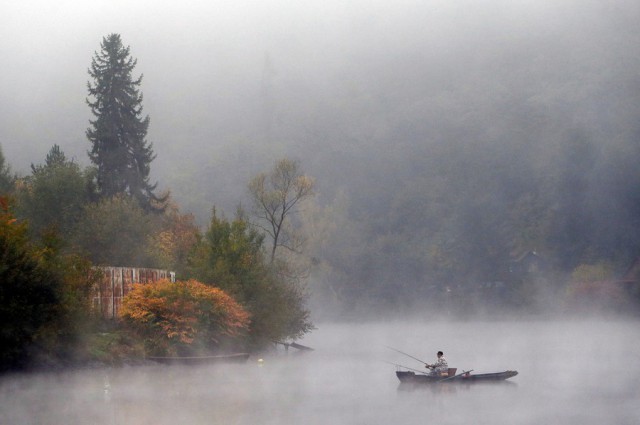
(177, 238)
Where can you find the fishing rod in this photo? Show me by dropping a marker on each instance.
(408, 355)
(406, 367)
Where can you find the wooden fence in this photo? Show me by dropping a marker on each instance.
(117, 282)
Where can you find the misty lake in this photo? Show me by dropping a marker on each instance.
(570, 372)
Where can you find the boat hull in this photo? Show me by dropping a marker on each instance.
(417, 378)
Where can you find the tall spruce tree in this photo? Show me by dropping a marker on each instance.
(120, 150)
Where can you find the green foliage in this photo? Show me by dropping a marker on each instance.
(115, 231)
(183, 318)
(29, 295)
(53, 197)
(231, 256)
(278, 305)
(45, 304)
(75, 315)
(118, 134)
(116, 347)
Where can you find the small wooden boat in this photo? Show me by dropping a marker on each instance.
(408, 377)
(224, 358)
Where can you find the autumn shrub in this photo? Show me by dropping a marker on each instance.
(183, 318)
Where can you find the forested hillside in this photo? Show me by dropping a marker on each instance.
(444, 154)
(446, 141)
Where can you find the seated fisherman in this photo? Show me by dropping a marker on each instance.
(440, 366)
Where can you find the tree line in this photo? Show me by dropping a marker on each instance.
(236, 289)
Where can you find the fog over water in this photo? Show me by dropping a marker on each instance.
(569, 373)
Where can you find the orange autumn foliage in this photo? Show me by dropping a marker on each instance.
(183, 316)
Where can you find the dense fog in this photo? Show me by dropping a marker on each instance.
(447, 139)
(569, 373)
(355, 90)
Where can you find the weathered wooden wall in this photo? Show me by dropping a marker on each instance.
(117, 282)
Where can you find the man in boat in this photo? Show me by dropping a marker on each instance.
(440, 366)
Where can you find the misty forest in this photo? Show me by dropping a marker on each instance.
(464, 161)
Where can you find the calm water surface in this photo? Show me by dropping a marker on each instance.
(570, 372)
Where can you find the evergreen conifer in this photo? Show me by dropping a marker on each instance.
(119, 149)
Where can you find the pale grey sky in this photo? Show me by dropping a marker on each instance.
(204, 62)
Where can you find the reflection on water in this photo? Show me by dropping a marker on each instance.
(445, 389)
(569, 373)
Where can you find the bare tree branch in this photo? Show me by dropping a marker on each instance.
(275, 197)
